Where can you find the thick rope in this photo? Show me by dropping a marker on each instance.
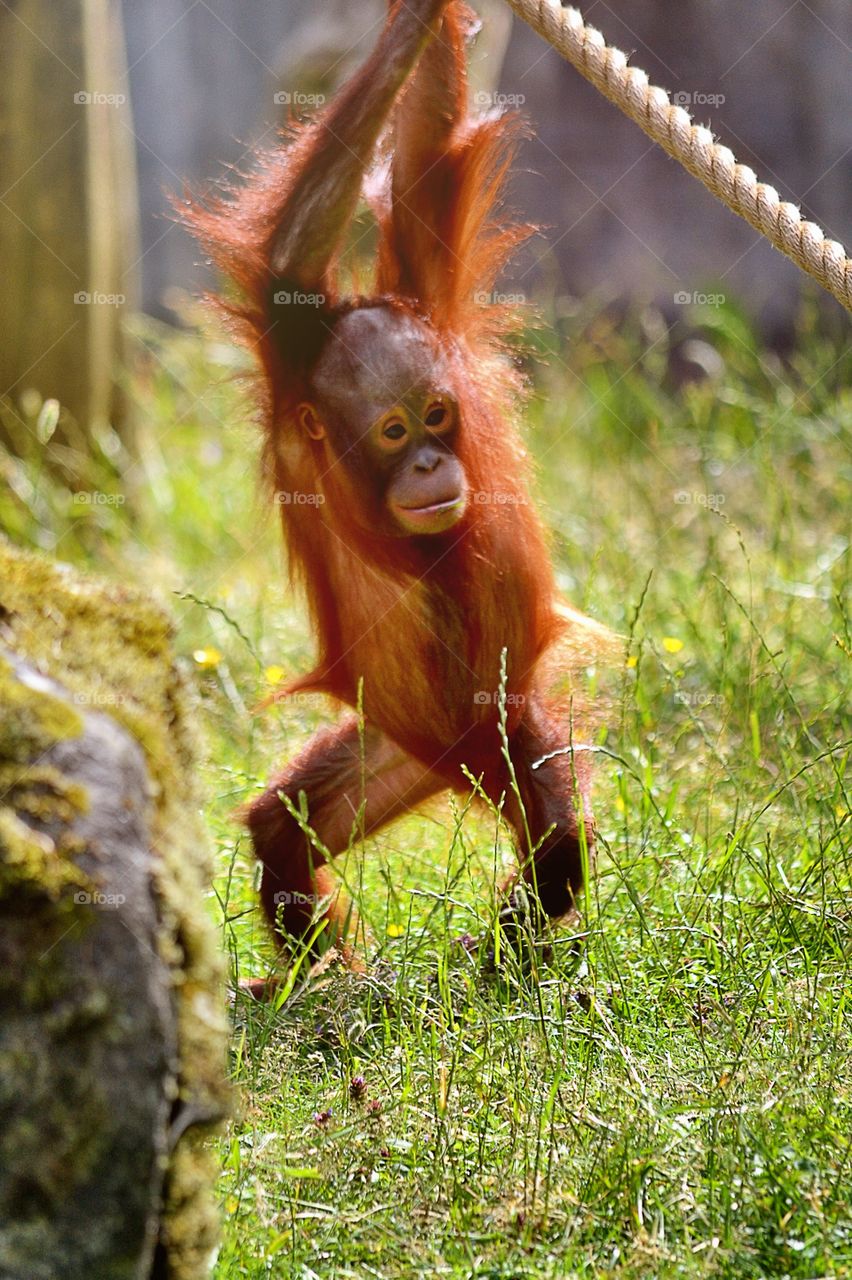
(736, 185)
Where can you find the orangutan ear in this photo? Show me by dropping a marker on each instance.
(306, 413)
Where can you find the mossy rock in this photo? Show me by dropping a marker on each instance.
(112, 1036)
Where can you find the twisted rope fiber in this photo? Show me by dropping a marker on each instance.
(692, 145)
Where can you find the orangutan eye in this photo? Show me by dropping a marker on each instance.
(393, 430)
(436, 416)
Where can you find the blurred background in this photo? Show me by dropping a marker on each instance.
(111, 109)
(689, 418)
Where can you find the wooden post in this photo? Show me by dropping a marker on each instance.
(68, 221)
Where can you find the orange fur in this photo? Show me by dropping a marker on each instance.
(497, 584)
(423, 622)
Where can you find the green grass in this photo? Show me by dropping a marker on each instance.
(675, 1097)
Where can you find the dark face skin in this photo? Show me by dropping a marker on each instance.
(383, 400)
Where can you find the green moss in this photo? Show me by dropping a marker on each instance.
(111, 648)
(32, 862)
(42, 792)
(33, 720)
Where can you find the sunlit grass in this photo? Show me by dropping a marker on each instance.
(675, 1098)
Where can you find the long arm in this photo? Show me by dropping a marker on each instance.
(443, 241)
(325, 192)
(433, 104)
(425, 124)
